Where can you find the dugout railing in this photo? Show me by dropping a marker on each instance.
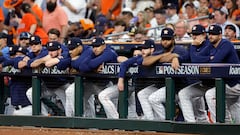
(217, 71)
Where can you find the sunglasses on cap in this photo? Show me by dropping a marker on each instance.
(32, 44)
(24, 38)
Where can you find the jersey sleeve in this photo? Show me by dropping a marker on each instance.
(107, 56)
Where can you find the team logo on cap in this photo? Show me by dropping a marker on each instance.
(194, 28)
(211, 27)
(32, 38)
(165, 32)
(20, 48)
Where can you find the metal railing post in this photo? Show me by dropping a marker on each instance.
(78, 99)
(123, 101)
(2, 94)
(36, 92)
(170, 99)
(220, 100)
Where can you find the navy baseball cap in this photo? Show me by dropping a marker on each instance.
(167, 33)
(136, 47)
(53, 46)
(198, 29)
(74, 43)
(24, 35)
(215, 30)
(12, 50)
(34, 40)
(22, 50)
(3, 35)
(97, 42)
(148, 44)
(171, 6)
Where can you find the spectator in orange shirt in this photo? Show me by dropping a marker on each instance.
(231, 7)
(30, 24)
(37, 11)
(55, 17)
(1, 19)
(236, 14)
(11, 20)
(111, 8)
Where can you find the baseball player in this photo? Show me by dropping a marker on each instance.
(92, 61)
(199, 53)
(78, 53)
(3, 45)
(57, 55)
(24, 39)
(17, 86)
(150, 97)
(9, 108)
(110, 94)
(222, 51)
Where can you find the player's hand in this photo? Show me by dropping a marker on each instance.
(198, 41)
(26, 58)
(1, 68)
(120, 84)
(175, 63)
(121, 59)
(22, 64)
(74, 53)
(99, 69)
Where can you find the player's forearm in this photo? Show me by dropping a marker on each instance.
(52, 62)
(36, 63)
(148, 61)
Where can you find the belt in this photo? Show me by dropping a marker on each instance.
(17, 107)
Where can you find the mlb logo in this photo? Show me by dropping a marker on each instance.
(159, 70)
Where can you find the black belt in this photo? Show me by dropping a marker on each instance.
(17, 107)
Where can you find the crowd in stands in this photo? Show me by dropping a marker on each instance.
(51, 33)
(123, 19)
